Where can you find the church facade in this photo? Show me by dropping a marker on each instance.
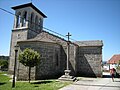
(85, 56)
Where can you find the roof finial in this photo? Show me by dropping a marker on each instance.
(31, 1)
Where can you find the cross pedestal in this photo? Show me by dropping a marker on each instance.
(67, 76)
(67, 72)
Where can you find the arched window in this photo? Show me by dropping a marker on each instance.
(32, 16)
(40, 23)
(18, 20)
(24, 19)
(36, 22)
(32, 19)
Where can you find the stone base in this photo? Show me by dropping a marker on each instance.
(67, 77)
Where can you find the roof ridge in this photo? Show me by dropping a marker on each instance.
(117, 54)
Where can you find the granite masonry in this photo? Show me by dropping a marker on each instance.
(85, 56)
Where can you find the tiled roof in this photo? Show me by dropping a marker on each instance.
(90, 43)
(114, 59)
(54, 37)
(42, 35)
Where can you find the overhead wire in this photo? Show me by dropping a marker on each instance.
(33, 23)
(39, 26)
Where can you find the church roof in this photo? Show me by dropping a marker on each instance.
(90, 43)
(29, 5)
(44, 34)
(49, 37)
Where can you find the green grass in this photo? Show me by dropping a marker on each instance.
(5, 84)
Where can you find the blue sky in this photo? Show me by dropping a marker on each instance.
(84, 19)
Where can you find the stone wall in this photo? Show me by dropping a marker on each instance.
(23, 71)
(73, 58)
(46, 36)
(17, 35)
(84, 60)
(89, 61)
(52, 64)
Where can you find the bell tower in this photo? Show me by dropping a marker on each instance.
(28, 22)
(29, 18)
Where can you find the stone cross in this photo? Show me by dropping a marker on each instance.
(68, 50)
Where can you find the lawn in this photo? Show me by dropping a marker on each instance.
(5, 84)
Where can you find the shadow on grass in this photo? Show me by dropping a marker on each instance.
(36, 86)
(41, 82)
(2, 83)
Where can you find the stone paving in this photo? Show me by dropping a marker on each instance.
(94, 84)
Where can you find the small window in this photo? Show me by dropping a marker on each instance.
(57, 59)
(18, 36)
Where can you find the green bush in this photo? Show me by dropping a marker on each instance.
(4, 64)
(118, 67)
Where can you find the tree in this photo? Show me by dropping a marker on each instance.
(29, 58)
(4, 64)
(118, 67)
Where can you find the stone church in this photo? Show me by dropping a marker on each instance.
(85, 56)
